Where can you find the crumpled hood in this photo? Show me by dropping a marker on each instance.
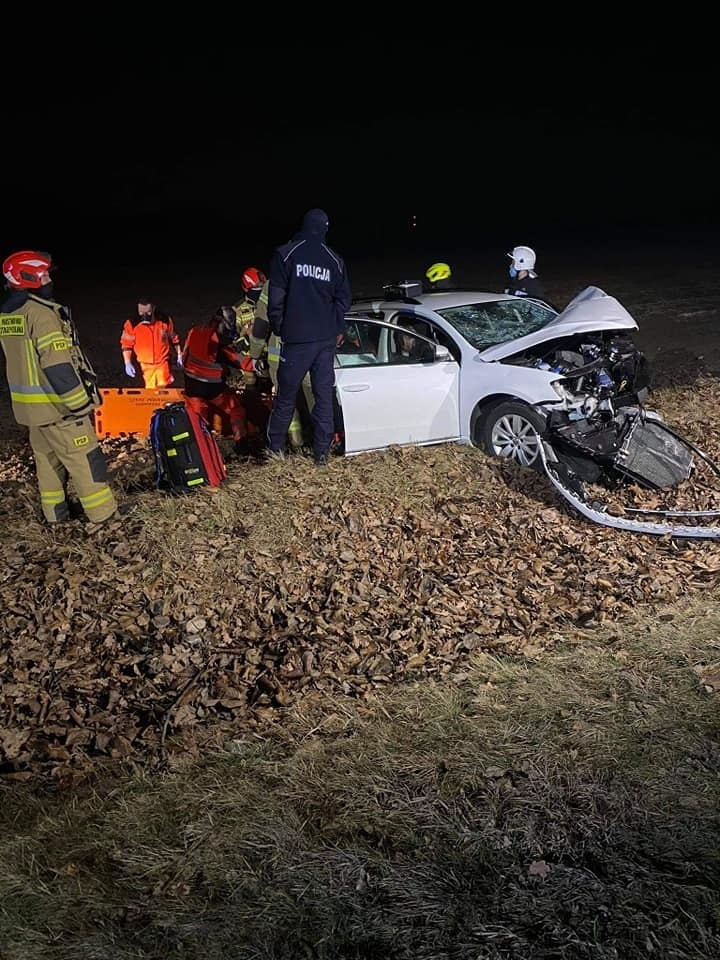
(591, 311)
(315, 224)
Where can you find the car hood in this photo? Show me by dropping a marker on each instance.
(590, 311)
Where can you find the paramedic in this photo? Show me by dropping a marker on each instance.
(209, 350)
(149, 336)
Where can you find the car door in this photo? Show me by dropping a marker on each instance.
(388, 400)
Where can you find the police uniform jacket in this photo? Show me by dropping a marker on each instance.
(49, 377)
(309, 292)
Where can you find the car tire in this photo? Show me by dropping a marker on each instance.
(510, 430)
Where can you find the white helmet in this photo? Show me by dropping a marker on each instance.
(523, 258)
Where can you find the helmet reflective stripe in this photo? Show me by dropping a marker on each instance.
(438, 271)
(523, 258)
(27, 269)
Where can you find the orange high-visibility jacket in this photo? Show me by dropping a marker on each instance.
(150, 340)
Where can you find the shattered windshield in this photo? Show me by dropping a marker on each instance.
(488, 324)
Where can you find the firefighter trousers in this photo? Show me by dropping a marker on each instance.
(296, 434)
(69, 450)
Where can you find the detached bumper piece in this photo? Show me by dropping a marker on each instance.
(654, 456)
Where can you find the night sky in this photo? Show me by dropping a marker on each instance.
(145, 150)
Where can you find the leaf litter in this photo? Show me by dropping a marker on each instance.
(193, 620)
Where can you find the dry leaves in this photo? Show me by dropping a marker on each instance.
(199, 619)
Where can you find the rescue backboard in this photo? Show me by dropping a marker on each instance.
(127, 411)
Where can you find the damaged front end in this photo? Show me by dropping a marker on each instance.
(601, 437)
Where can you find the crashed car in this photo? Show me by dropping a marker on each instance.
(562, 392)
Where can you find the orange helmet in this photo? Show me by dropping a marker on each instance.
(252, 277)
(27, 269)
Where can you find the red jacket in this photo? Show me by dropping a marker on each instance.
(205, 359)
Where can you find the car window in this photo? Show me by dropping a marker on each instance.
(429, 330)
(370, 343)
(360, 346)
(488, 324)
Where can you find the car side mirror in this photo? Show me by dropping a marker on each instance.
(442, 353)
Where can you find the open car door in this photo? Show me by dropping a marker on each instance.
(389, 398)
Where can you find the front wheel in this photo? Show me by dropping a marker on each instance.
(511, 430)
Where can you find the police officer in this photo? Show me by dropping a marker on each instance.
(53, 392)
(308, 297)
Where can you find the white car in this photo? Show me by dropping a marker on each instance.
(486, 369)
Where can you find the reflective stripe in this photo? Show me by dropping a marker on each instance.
(51, 497)
(97, 499)
(36, 394)
(49, 338)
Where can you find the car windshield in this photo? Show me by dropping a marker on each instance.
(488, 324)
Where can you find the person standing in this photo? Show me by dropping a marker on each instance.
(264, 344)
(53, 391)
(438, 276)
(149, 337)
(308, 297)
(524, 280)
(253, 368)
(209, 350)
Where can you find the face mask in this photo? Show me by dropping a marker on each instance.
(45, 292)
(253, 294)
(513, 272)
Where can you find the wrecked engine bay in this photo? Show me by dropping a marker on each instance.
(602, 437)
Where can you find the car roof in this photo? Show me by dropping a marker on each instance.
(433, 300)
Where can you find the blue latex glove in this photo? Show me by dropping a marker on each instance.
(129, 369)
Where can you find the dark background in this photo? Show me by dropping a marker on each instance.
(140, 148)
(161, 162)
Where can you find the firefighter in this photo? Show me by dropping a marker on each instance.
(265, 343)
(254, 369)
(53, 391)
(149, 337)
(438, 276)
(208, 352)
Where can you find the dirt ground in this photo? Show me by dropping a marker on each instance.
(671, 289)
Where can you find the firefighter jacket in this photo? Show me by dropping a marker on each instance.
(206, 357)
(150, 338)
(260, 332)
(49, 376)
(309, 292)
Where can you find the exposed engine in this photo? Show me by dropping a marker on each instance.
(600, 375)
(601, 433)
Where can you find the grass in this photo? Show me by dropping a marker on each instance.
(558, 807)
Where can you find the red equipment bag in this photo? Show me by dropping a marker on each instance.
(187, 455)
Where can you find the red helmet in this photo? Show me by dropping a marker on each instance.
(27, 269)
(252, 277)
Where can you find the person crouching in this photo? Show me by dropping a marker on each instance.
(208, 352)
